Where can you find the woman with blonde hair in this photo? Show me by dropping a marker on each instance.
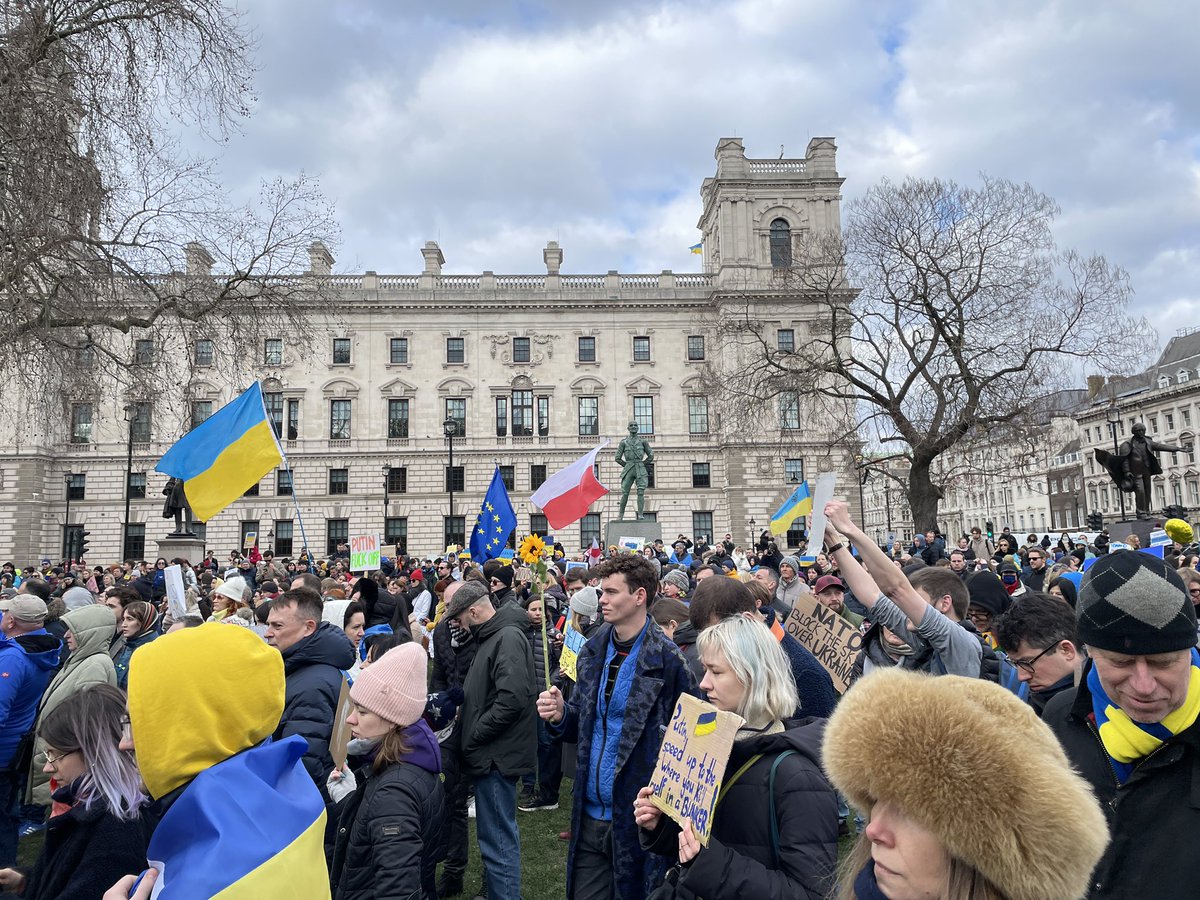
(774, 828)
(922, 757)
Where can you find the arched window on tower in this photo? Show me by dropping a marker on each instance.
(781, 244)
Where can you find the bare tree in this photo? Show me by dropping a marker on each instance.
(108, 231)
(937, 322)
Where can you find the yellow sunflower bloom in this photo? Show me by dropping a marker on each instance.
(531, 549)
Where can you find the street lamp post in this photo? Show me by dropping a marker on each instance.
(128, 479)
(1114, 416)
(750, 525)
(450, 428)
(387, 472)
(67, 543)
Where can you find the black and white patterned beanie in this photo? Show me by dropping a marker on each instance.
(1132, 602)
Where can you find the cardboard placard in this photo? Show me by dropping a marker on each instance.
(822, 494)
(176, 593)
(573, 643)
(364, 553)
(250, 540)
(388, 551)
(691, 762)
(340, 739)
(631, 543)
(1159, 538)
(834, 641)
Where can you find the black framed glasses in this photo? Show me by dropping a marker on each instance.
(1026, 666)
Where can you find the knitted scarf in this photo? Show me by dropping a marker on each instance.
(1126, 741)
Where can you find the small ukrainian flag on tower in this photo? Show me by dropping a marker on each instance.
(697, 248)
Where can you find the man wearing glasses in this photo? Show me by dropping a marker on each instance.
(1034, 576)
(1039, 636)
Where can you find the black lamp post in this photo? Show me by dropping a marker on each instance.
(750, 524)
(387, 473)
(450, 429)
(68, 545)
(128, 479)
(1114, 417)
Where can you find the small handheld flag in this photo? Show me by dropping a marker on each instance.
(798, 504)
(495, 522)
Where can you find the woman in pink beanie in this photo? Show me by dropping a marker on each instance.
(391, 814)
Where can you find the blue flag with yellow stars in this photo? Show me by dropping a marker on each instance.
(495, 523)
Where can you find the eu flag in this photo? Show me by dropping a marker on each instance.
(495, 523)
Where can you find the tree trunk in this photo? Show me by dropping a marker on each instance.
(923, 496)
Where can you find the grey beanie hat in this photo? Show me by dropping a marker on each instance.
(77, 598)
(1132, 602)
(793, 561)
(678, 578)
(585, 602)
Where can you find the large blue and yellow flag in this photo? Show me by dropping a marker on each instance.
(797, 505)
(494, 524)
(220, 459)
(250, 828)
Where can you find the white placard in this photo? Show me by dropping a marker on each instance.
(176, 599)
(826, 483)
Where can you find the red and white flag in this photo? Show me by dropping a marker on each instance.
(565, 496)
(594, 551)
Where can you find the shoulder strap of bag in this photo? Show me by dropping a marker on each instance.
(736, 775)
(771, 793)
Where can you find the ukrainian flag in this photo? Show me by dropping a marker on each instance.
(222, 458)
(706, 723)
(250, 828)
(697, 248)
(795, 506)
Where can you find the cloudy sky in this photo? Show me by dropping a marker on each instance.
(493, 127)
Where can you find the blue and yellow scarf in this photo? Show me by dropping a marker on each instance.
(1126, 741)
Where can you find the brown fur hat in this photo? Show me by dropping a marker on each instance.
(974, 765)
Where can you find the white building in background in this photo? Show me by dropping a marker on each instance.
(535, 369)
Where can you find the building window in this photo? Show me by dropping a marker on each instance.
(341, 351)
(589, 530)
(337, 531)
(456, 479)
(135, 541)
(697, 415)
(143, 352)
(454, 530)
(501, 416)
(397, 411)
(273, 352)
(789, 410)
(283, 482)
(537, 476)
(77, 486)
(695, 347)
(1176, 493)
(781, 244)
(293, 419)
(139, 425)
(204, 353)
(702, 526)
(339, 481)
(793, 471)
(641, 349)
(785, 340)
(1190, 449)
(587, 349)
(649, 474)
(273, 402)
(643, 414)
(339, 420)
(522, 413)
(1170, 420)
(1185, 418)
(81, 423)
(395, 532)
(797, 532)
(456, 409)
(543, 413)
(1181, 376)
(398, 351)
(520, 350)
(283, 537)
(589, 416)
(538, 524)
(701, 477)
(201, 411)
(136, 488)
(508, 477)
(1194, 493)
(251, 491)
(397, 480)
(1160, 493)
(455, 350)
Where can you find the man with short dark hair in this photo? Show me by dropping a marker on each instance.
(315, 653)
(1034, 577)
(958, 563)
(1038, 634)
(629, 680)
(307, 580)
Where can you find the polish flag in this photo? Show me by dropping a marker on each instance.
(565, 496)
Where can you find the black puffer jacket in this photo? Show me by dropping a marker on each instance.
(1154, 817)
(386, 847)
(739, 859)
(499, 715)
(450, 663)
(313, 668)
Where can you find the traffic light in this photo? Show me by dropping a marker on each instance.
(1095, 521)
(991, 530)
(83, 544)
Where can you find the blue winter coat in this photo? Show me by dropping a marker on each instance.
(27, 663)
(661, 675)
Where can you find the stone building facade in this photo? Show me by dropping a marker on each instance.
(534, 370)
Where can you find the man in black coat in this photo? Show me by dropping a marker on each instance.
(1132, 726)
(314, 655)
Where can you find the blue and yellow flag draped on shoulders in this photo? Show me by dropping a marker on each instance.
(220, 459)
(495, 522)
(797, 505)
(251, 827)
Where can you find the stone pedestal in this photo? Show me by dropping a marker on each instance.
(645, 530)
(1120, 531)
(190, 548)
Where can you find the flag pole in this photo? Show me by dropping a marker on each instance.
(288, 468)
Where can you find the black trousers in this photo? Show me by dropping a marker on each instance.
(592, 876)
(454, 829)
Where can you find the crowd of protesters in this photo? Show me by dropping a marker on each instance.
(1015, 727)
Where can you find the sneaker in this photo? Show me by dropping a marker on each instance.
(30, 828)
(538, 803)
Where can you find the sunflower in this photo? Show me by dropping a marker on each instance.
(531, 549)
